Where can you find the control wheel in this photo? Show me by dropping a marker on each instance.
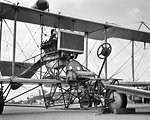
(104, 50)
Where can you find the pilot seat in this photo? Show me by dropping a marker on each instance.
(77, 72)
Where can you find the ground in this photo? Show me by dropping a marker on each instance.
(17, 113)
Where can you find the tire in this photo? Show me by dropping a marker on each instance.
(116, 100)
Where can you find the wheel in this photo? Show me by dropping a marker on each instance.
(116, 100)
(104, 50)
(85, 101)
(96, 102)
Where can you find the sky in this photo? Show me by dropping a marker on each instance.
(113, 11)
(125, 13)
(107, 10)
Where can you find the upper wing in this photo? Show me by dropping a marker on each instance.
(95, 30)
(130, 90)
(29, 81)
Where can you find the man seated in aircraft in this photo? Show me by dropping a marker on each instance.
(53, 39)
(53, 35)
(51, 44)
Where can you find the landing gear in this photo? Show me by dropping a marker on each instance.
(113, 99)
(116, 100)
(85, 101)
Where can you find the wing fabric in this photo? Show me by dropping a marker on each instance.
(6, 67)
(130, 90)
(95, 30)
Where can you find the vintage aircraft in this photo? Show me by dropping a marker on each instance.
(67, 77)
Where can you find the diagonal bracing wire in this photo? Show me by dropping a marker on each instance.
(90, 51)
(19, 47)
(12, 35)
(124, 47)
(32, 37)
(31, 34)
(120, 68)
(142, 23)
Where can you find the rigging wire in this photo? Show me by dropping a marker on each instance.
(135, 54)
(144, 72)
(90, 51)
(112, 59)
(145, 24)
(138, 64)
(97, 66)
(6, 48)
(33, 57)
(31, 34)
(120, 68)
(29, 42)
(12, 35)
(139, 49)
(124, 47)
(19, 47)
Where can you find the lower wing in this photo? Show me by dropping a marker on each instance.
(130, 90)
(28, 80)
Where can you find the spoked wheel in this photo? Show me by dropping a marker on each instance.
(1, 102)
(104, 50)
(116, 100)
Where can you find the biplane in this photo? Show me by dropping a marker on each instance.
(67, 78)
